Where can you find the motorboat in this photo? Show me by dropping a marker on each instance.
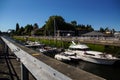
(66, 56)
(97, 57)
(72, 55)
(47, 49)
(33, 44)
(62, 57)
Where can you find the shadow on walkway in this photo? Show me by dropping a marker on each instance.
(7, 70)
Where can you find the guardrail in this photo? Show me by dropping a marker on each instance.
(43, 67)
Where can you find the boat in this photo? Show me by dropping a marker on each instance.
(67, 56)
(62, 57)
(33, 44)
(97, 57)
(47, 49)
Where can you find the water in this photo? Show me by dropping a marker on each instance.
(107, 72)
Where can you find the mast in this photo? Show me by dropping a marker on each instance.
(54, 28)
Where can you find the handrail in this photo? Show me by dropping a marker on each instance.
(46, 68)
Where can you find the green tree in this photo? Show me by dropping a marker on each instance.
(102, 30)
(17, 28)
(113, 31)
(54, 23)
(35, 26)
(74, 23)
(68, 26)
(21, 31)
(106, 29)
(28, 29)
(38, 32)
(35, 29)
(89, 28)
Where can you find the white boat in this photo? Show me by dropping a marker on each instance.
(72, 55)
(85, 54)
(46, 49)
(62, 57)
(42, 50)
(66, 56)
(33, 44)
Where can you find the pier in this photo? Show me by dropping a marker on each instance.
(21, 63)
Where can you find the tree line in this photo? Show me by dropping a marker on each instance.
(54, 23)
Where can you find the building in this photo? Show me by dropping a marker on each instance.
(93, 34)
(117, 34)
(65, 33)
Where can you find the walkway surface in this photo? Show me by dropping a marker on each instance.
(10, 68)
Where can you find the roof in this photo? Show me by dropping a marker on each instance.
(93, 33)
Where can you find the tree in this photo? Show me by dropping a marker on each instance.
(102, 30)
(21, 31)
(68, 26)
(17, 28)
(0, 32)
(38, 32)
(54, 23)
(35, 29)
(106, 29)
(113, 31)
(89, 28)
(35, 26)
(74, 23)
(28, 29)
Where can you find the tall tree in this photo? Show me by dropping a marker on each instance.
(28, 29)
(21, 31)
(35, 26)
(102, 30)
(35, 30)
(17, 28)
(89, 28)
(74, 23)
(54, 23)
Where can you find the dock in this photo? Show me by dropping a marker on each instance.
(21, 63)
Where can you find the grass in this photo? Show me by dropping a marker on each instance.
(95, 47)
(65, 44)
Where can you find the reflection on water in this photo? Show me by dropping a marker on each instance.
(107, 72)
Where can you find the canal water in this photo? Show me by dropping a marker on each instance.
(105, 71)
(109, 72)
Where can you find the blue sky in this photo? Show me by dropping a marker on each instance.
(98, 13)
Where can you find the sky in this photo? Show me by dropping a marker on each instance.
(98, 13)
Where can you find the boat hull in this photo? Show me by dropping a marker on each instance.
(99, 60)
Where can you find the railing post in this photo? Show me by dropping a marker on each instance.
(24, 72)
(6, 49)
